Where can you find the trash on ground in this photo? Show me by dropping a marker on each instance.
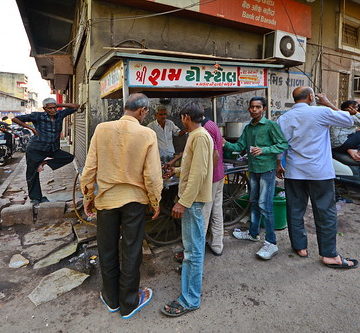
(77, 257)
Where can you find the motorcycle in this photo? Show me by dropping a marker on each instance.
(22, 137)
(347, 173)
(7, 143)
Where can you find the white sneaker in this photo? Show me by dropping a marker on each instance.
(238, 234)
(267, 251)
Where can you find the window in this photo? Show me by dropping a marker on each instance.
(349, 34)
(344, 80)
(357, 84)
(22, 103)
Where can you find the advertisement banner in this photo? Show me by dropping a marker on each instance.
(179, 75)
(112, 80)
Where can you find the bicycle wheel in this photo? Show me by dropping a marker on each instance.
(165, 229)
(234, 209)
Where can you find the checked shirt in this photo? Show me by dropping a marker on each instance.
(49, 130)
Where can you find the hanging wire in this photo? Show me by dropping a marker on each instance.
(135, 17)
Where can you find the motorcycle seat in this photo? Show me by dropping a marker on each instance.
(344, 158)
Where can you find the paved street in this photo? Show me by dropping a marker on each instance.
(240, 292)
(9, 167)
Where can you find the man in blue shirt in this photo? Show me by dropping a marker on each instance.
(45, 143)
(310, 173)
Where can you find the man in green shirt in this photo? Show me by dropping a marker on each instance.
(263, 141)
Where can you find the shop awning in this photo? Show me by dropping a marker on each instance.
(175, 76)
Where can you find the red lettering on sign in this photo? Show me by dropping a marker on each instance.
(155, 74)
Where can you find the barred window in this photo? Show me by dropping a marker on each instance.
(357, 84)
(350, 35)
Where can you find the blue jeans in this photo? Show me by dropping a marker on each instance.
(262, 188)
(193, 238)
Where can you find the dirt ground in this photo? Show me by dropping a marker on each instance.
(240, 292)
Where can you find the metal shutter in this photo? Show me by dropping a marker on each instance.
(80, 123)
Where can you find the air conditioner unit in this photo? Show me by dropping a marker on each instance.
(284, 45)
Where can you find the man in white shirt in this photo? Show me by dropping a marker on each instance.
(165, 129)
(310, 173)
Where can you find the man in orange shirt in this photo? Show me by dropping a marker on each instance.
(124, 161)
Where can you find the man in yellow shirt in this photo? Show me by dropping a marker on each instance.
(195, 188)
(123, 160)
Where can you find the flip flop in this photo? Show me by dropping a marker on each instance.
(344, 263)
(142, 302)
(175, 309)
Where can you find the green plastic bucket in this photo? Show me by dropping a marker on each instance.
(279, 209)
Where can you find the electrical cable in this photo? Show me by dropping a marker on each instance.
(292, 25)
(103, 19)
(74, 203)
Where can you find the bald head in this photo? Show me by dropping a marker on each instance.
(303, 95)
(136, 102)
(137, 105)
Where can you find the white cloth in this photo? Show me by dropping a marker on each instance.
(165, 136)
(213, 217)
(307, 130)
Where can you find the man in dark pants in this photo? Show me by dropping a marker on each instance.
(310, 173)
(124, 161)
(45, 143)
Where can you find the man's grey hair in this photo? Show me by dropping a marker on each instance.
(49, 100)
(136, 101)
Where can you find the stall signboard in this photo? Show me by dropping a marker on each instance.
(112, 80)
(182, 75)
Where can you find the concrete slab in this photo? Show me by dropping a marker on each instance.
(84, 232)
(48, 233)
(56, 256)
(48, 212)
(17, 214)
(4, 203)
(39, 251)
(10, 243)
(56, 284)
(17, 261)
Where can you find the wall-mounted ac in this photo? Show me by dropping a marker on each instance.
(284, 45)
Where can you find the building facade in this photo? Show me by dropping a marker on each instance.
(295, 42)
(11, 106)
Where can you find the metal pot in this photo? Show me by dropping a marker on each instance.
(233, 129)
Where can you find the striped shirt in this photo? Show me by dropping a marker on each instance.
(49, 130)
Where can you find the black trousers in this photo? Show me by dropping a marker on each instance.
(33, 160)
(121, 284)
(322, 196)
